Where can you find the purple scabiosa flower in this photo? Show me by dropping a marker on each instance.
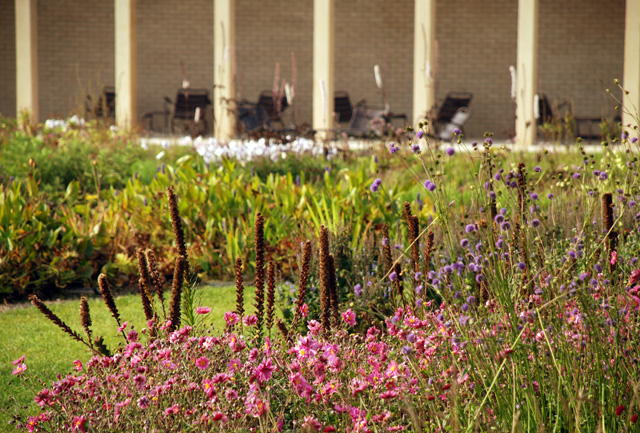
(535, 222)
(583, 276)
(503, 211)
(419, 134)
(357, 289)
(550, 196)
(419, 289)
(464, 243)
(537, 169)
(479, 278)
(597, 267)
(393, 276)
(470, 228)
(471, 300)
(572, 254)
(522, 266)
(499, 218)
(415, 148)
(603, 176)
(465, 307)
(450, 151)
(533, 196)
(456, 131)
(500, 244)
(430, 186)
(393, 148)
(417, 276)
(398, 246)
(385, 241)
(488, 141)
(497, 176)
(505, 226)
(376, 185)
(411, 338)
(634, 140)
(576, 175)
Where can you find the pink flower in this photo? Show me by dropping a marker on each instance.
(202, 363)
(203, 310)
(18, 361)
(311, 424)
(121, 328)
(314, 326)
(144, 402)
(304, 309)
(20, 368)
(389, 395)
(79, 424)
(250, 320)
(77, 365)
(614, 258)
(231, 318)
(349, 317)
(31, 424)
(234, 365)
(264, 371)
(207, 386)
(219, 416)
(172, 410)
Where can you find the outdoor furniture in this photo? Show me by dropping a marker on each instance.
(342, 106)
(267, 102)
(150, 118)
(185, 106)
(584, 127)
(251, 116)
(106, 103)
(453, 102)
(457, 121)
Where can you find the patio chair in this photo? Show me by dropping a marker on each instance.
(546, 115)
(251, 116)
(267, 103)
(457, 121)
(342, 106)
(185, 106)
(106, 103)
(453, 102)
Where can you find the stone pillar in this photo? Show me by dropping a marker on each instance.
(224, 68)
(527, 71)
(125, 63)
(27, 58)
(631, 78)
(424, 36)
(323, 67)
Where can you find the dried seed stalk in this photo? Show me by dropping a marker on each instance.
(176, 292)
(103, 283)
(239, 288)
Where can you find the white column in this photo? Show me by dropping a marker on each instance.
(224, 68)
(27, 58)
(125, 63)
(323, 67)
(527, 71)
(424, 35)
(631, 78)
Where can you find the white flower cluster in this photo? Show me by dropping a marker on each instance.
(72, 122)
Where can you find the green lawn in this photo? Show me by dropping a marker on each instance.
(25, 331)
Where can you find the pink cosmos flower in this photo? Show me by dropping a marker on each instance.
(20, 368)
(314, 327)
(77, 365)
(144, 402)
(349, 317)
(304, 309)
(202, 363)
(203, 310)
(172, 410)
(18, 361)
(231, 318)
(250, 320)
(387, 395)
(234, 365)
(614, 258)
(79, 424)
(207, 386)
(264, 371)
(219, 416)
(311, 424)
(31, 424)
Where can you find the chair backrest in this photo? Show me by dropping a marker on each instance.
(545, 113)
(342, 106)
(187, 100)
(266, 101)
(457, 121)
(363, 117)
(452, 102)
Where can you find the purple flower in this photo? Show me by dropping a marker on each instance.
(471, 300)
(430, 186)
(456, 131)
(499, 218)
(393, 148)
(470, 228)
(603, 176)
(415, 149)
(393, 276)
(535, 223)
(572, 254)
(419, 134)
(357, 289)
(497, 176)
(464, 243)
(576, 175)
(376, 185)
(550, 196)
(537, 169)
(634, 139)
(450, 151)
(385, 241)
(505, 226)
(533, 196)
(522, 266)
(417, 276)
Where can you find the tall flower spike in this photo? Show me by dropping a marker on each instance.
(386, 249)
(155, 274)
(55, 319)
(176, 222)
(271, 290)
(145, 284)
(427, 256)
(282, 328)
(239, 288)
(414, 229)
(103, 283)
(325, 280)
(85, 317)
(304, 278)
(176, 292)
(612, 235)
(259, 296)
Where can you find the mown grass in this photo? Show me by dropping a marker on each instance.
(25, 331)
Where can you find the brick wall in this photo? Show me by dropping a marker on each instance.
(7, 58)
(581, 49)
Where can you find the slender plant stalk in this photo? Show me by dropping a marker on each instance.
(176, 292)
(304, 279)
(103, 283)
